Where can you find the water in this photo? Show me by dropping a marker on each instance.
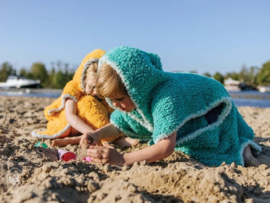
(251, 98)
(51, 93)
(243, 98)
(262, 103)
(23, 94)
(250, 94)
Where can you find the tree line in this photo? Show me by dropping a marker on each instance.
(60, 73)
(252, 76)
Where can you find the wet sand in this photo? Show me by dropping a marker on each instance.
(29, 174)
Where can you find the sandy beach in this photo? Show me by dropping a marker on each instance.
(29, 174)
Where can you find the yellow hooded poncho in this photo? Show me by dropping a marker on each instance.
(93, 112)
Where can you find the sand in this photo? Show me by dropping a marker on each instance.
(29, 174)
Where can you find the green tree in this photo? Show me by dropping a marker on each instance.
(207, 74)
(39, 72)
(193, 71)
(253, 73)
(263, 76)
(219, 77)
(60, 80)
(232, 75)
(5, 71)
(243, 74)
(52, 77)
(23, 72)
(67, 74)
(59, 75)
(248, 75)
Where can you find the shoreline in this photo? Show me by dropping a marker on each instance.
(32, 90)
(234, 94)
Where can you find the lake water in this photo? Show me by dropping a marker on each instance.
(243, 98)
(24, 94)
(262, 103)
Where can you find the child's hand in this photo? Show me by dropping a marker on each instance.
(90, 138)
(105, 154)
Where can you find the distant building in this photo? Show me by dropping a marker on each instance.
(263, 88)
(232, 85)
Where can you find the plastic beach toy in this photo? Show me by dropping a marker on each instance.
(65, 155)
(88, 158)
(41, 144)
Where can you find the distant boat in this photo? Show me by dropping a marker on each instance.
(14, 81)
(263, 88)
(232, 85)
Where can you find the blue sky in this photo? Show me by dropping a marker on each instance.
(201, 35)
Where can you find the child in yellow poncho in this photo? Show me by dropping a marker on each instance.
(77, 110)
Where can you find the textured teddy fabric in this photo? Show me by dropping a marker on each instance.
(91, 110)
(169, 102)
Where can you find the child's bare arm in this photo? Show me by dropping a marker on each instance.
(94, 137)
(75, 121)
(162, 149)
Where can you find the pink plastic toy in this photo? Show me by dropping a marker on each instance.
(65, 155)
(88, 158)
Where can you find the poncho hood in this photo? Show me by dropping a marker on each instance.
(141, 72)
(92, 111)
(178, 102)
(80, 73)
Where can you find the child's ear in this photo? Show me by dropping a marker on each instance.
(155, 60)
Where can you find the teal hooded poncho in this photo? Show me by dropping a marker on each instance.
(168, 102)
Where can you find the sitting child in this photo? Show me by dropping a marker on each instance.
(174, 111)
(77, 110)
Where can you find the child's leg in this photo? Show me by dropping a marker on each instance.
(62, 142)
(249, 159)
(66, 141)
(125, 141)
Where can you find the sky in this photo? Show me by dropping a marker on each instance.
(196, 35)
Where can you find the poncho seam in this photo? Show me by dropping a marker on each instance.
(64, 97)
(200, 113)
(253, 145)
(144, 121)
(94, 60)
(34, 134)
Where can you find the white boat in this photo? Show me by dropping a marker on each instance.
(14, 81)
(232, 85)
(263, 88)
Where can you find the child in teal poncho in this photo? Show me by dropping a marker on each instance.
(174, 111)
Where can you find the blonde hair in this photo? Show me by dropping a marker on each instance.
(109, 84)
(91, 70)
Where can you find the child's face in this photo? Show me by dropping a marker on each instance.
(123, 102)
(90, 85)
